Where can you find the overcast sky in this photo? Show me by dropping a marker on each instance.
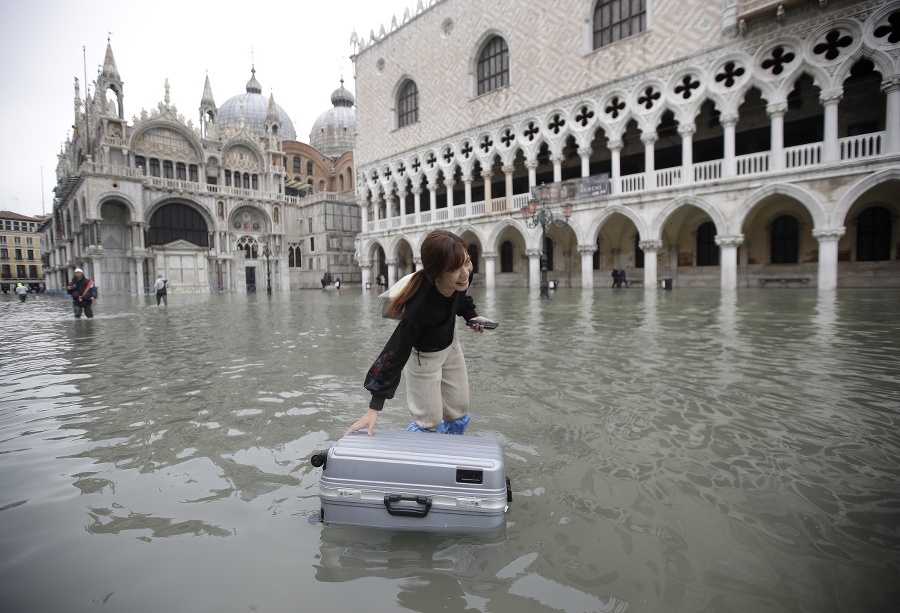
(300, 49)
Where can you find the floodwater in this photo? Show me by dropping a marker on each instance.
(686, 450)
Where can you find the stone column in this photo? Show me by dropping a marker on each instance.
(531, 165)
(432, 196)
(490, 270)
(686, 132)
(891, 87)
(449, 185)
(467, 183)
(728, 246)
(364, 215)
(417, 201)
(392, 271)
(650, 248)
(365, 267)
(776, 148)
(728, 123)
(487, 175)
(828, 256)
(508, 171)
(534, 267)
(557, 167)
(587, 265)
(615, 148)
(401, 197)
(831, 151)
(649, 139)
(585, 154)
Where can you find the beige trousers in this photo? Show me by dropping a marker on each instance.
(437, 385)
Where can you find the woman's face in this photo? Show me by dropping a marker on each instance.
(455, 280)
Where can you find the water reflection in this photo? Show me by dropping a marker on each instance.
(684, 450)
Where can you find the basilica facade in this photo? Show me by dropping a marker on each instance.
(735, 143)
(234, 203)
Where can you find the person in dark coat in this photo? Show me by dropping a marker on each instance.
(615, 276)
(83, 294)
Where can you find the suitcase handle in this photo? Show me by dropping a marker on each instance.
(390, 499)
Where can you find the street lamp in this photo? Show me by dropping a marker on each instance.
(536, 213)
(267, 253)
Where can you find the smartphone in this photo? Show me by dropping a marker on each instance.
(487, 325)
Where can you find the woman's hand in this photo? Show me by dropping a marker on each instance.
(366, 422)
(476, 323)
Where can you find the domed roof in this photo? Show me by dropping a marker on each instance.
(251, 109)
(334, 132)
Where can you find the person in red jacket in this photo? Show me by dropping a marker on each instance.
(424, 346)
(83, 293)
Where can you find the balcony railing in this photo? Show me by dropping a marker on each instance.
(800, 156)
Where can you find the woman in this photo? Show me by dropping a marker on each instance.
(437, 385)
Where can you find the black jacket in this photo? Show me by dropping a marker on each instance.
(427, 324)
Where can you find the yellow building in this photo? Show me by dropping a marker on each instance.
(20, 251)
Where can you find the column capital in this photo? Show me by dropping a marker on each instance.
(650, 246)
(729, 120)
(831, 96)
(489, 255)
(557, 159)
(649, 138)
(891, 83)
(417, 191)
(730, 241)
(776, 109)
(825, 235)
(687, 129)
(509, 169)
(587, 249)
(533, 253)
(365, 263)
(391, 262)
(585, 152)
(531, 164)
(615, 144)
(487, 174)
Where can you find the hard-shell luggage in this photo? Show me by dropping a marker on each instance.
(414, 481)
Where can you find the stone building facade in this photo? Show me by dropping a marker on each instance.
(739, 143)
(233, 204)
(20, 252)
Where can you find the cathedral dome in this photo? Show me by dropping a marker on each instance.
(251, 109)
(334, 132)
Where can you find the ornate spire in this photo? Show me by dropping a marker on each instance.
(207, 98)
(272, 114)
(109, 64)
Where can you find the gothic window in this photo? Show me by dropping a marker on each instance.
(408, 104)
(249, 246)
(177, 222)
(255, 181)
(167, 169)
(707, 249)
(297, 163)
(873, 235)
(141, 162)
(154, 167)
(193, 174)
(227, 179)
(237, 179)
(785, 235)
(615, 20)
(246, 180)
(181, 171)
(295, 256)
(493, 66)
(309, 167)
(506, 257)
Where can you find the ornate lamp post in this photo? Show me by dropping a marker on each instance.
(268, 253)
(536, 213)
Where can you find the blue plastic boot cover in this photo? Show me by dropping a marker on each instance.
(457, 426)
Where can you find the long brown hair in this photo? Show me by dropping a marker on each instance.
(442, 250)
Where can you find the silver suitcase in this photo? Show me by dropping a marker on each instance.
(414, 481)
